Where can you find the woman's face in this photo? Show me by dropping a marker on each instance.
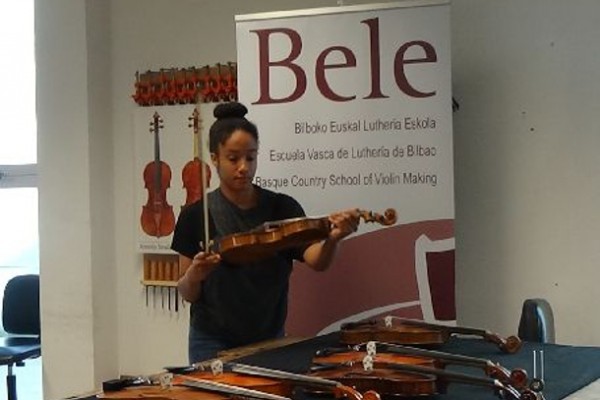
(235, 161)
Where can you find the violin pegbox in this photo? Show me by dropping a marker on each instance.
(216, 367)
(368, 363)
(371, 348)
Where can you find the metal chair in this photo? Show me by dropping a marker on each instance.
(537, 321)
(21, 319)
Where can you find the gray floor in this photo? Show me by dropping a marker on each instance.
(29, 380)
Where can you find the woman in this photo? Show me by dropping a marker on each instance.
(235, 305)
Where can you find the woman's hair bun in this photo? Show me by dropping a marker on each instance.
(230, 110)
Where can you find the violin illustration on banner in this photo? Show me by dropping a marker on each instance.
(157, 217)
(196, 173)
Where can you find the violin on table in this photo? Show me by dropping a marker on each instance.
(415, 333)
(411, 380)
(274, 382)
(181, 389)
(388, 353)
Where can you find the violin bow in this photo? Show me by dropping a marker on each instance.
(204, 183)
(229, 389)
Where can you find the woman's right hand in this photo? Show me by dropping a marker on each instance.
(193, 271)
(202, 264)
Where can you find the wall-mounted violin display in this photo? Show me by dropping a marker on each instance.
(169, 86)
(271, 237)
(157, 217)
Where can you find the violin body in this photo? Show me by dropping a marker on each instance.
(265, 242)
(384, 381)
(357, 333)
(262, 384)
(158, 393)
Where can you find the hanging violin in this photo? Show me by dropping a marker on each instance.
(414, 332)
(274, 236)
(157, 217)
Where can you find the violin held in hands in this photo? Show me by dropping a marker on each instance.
(274, 236)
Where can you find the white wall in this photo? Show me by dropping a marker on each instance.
(524, 72)
(526, 148)
(75, 157)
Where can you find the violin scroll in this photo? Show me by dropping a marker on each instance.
(518, 378)
(388, 217)
(510, 345)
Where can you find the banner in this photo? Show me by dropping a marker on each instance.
(353, 106)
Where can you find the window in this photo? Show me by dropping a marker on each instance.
(19, 250)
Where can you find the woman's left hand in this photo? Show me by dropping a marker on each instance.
(343, 223)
